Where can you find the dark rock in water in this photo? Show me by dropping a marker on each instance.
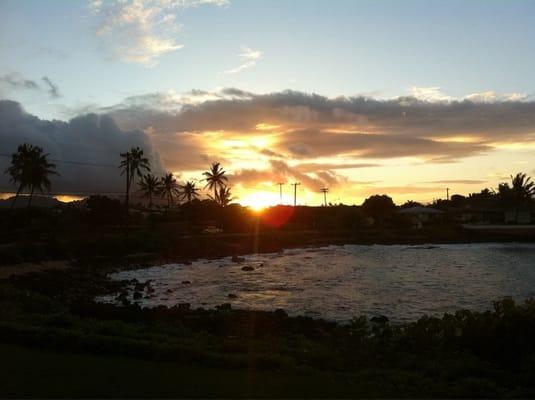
(122, 297)
(237, 259)
(169, 291)
(224, 306)
(247, 268)
(139, 287)
(187, 263)
(381, 319)
(137, 295)
(232, 296)
(186, 282)
(150, 289)
(279, 312)
(184, 306)
(125, 301)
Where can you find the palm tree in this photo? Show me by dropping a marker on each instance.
(150, 186)
(30, 168)
(133, 163)
(523, 187)
(169, 188)
(215, 178)
(522, 191)
(189, 191)
(223, 196)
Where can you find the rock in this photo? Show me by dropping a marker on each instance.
(186, 282)
(122, 297)
(247, 268)
(137, 295)
(279, 312)
(169, 291)
(224, 306)
(232, 296)
(380, 319)
(139, 287)
(237, 259)
(183, 306)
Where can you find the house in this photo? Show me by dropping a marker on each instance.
(421, 215)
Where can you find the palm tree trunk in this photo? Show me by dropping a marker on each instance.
(30, 199)
(150, 201)
(16, 197)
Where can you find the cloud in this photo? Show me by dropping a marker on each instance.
(435, 94)
(15, 81)
(249, 59)
(53, 90)
(280, 171)
(460, 181)
(141, 31)
(90, 138)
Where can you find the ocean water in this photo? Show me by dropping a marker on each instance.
(339, 282)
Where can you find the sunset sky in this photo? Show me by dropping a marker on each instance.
(404, 98)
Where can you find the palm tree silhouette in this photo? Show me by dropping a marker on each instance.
(522, 191)
(223, 196)
(189, 191)
(30, 168)
(150, 186)
(170, 188)
(215, 178)
(132, 164)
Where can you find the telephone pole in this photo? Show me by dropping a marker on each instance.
(448, 194)
(295, 191)
(324, 191)
(280, 191)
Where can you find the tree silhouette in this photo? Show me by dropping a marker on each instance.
(189, 191)
(215, 178)
(519, 194)
(150, 186)
(30, 168)
(133, 163)
(223, 196)
(169, 188)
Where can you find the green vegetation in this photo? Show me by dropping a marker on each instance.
(465, 354)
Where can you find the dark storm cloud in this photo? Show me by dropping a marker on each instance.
(87, 138)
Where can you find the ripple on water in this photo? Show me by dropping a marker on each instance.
(339, 282)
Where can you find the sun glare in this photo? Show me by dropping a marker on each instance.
(260, 200)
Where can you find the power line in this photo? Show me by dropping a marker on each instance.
(80, 163)
(280, 190)
(324, 191)
(295, 191)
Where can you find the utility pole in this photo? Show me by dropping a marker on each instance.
(295, 191)
(448, 194)
(324, 191)
(280, 191)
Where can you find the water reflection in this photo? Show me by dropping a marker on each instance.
(338, 282)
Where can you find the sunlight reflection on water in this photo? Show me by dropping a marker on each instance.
(339, 282)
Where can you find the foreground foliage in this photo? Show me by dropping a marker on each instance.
(462, 354)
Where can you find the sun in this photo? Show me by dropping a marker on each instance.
(258, 201)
